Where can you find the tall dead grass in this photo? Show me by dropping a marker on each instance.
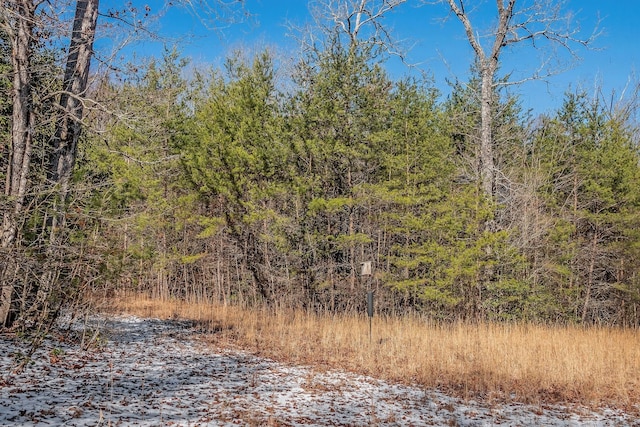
(523, 362)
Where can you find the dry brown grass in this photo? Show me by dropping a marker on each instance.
(529, 363)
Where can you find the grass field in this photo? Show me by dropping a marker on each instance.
(522, 362)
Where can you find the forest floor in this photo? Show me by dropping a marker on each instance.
(146, 372)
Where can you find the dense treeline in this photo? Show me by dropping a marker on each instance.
(228, 187)
(255, 185)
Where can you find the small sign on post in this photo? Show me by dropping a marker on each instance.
(366, 268)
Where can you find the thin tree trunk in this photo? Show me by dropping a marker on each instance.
(486, 166)
(592, 262)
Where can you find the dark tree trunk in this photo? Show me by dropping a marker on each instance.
(62, 160)
(76, 77)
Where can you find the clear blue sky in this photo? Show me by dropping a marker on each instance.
(438, 48)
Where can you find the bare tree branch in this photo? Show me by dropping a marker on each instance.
(360, 21)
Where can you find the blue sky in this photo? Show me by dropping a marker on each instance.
(438, 48)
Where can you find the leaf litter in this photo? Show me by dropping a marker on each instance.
(149, 372)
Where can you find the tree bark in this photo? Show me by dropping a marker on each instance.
(18, 21)
(486, 163)
(76, 77)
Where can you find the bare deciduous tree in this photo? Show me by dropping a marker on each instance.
(537, 22)
(360, 22)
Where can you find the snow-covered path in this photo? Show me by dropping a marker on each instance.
(157, 373)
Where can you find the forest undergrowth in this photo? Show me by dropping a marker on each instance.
(517, 362)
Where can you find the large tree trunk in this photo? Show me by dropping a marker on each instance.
(19, 28)
(76, 77)
(62, 157)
